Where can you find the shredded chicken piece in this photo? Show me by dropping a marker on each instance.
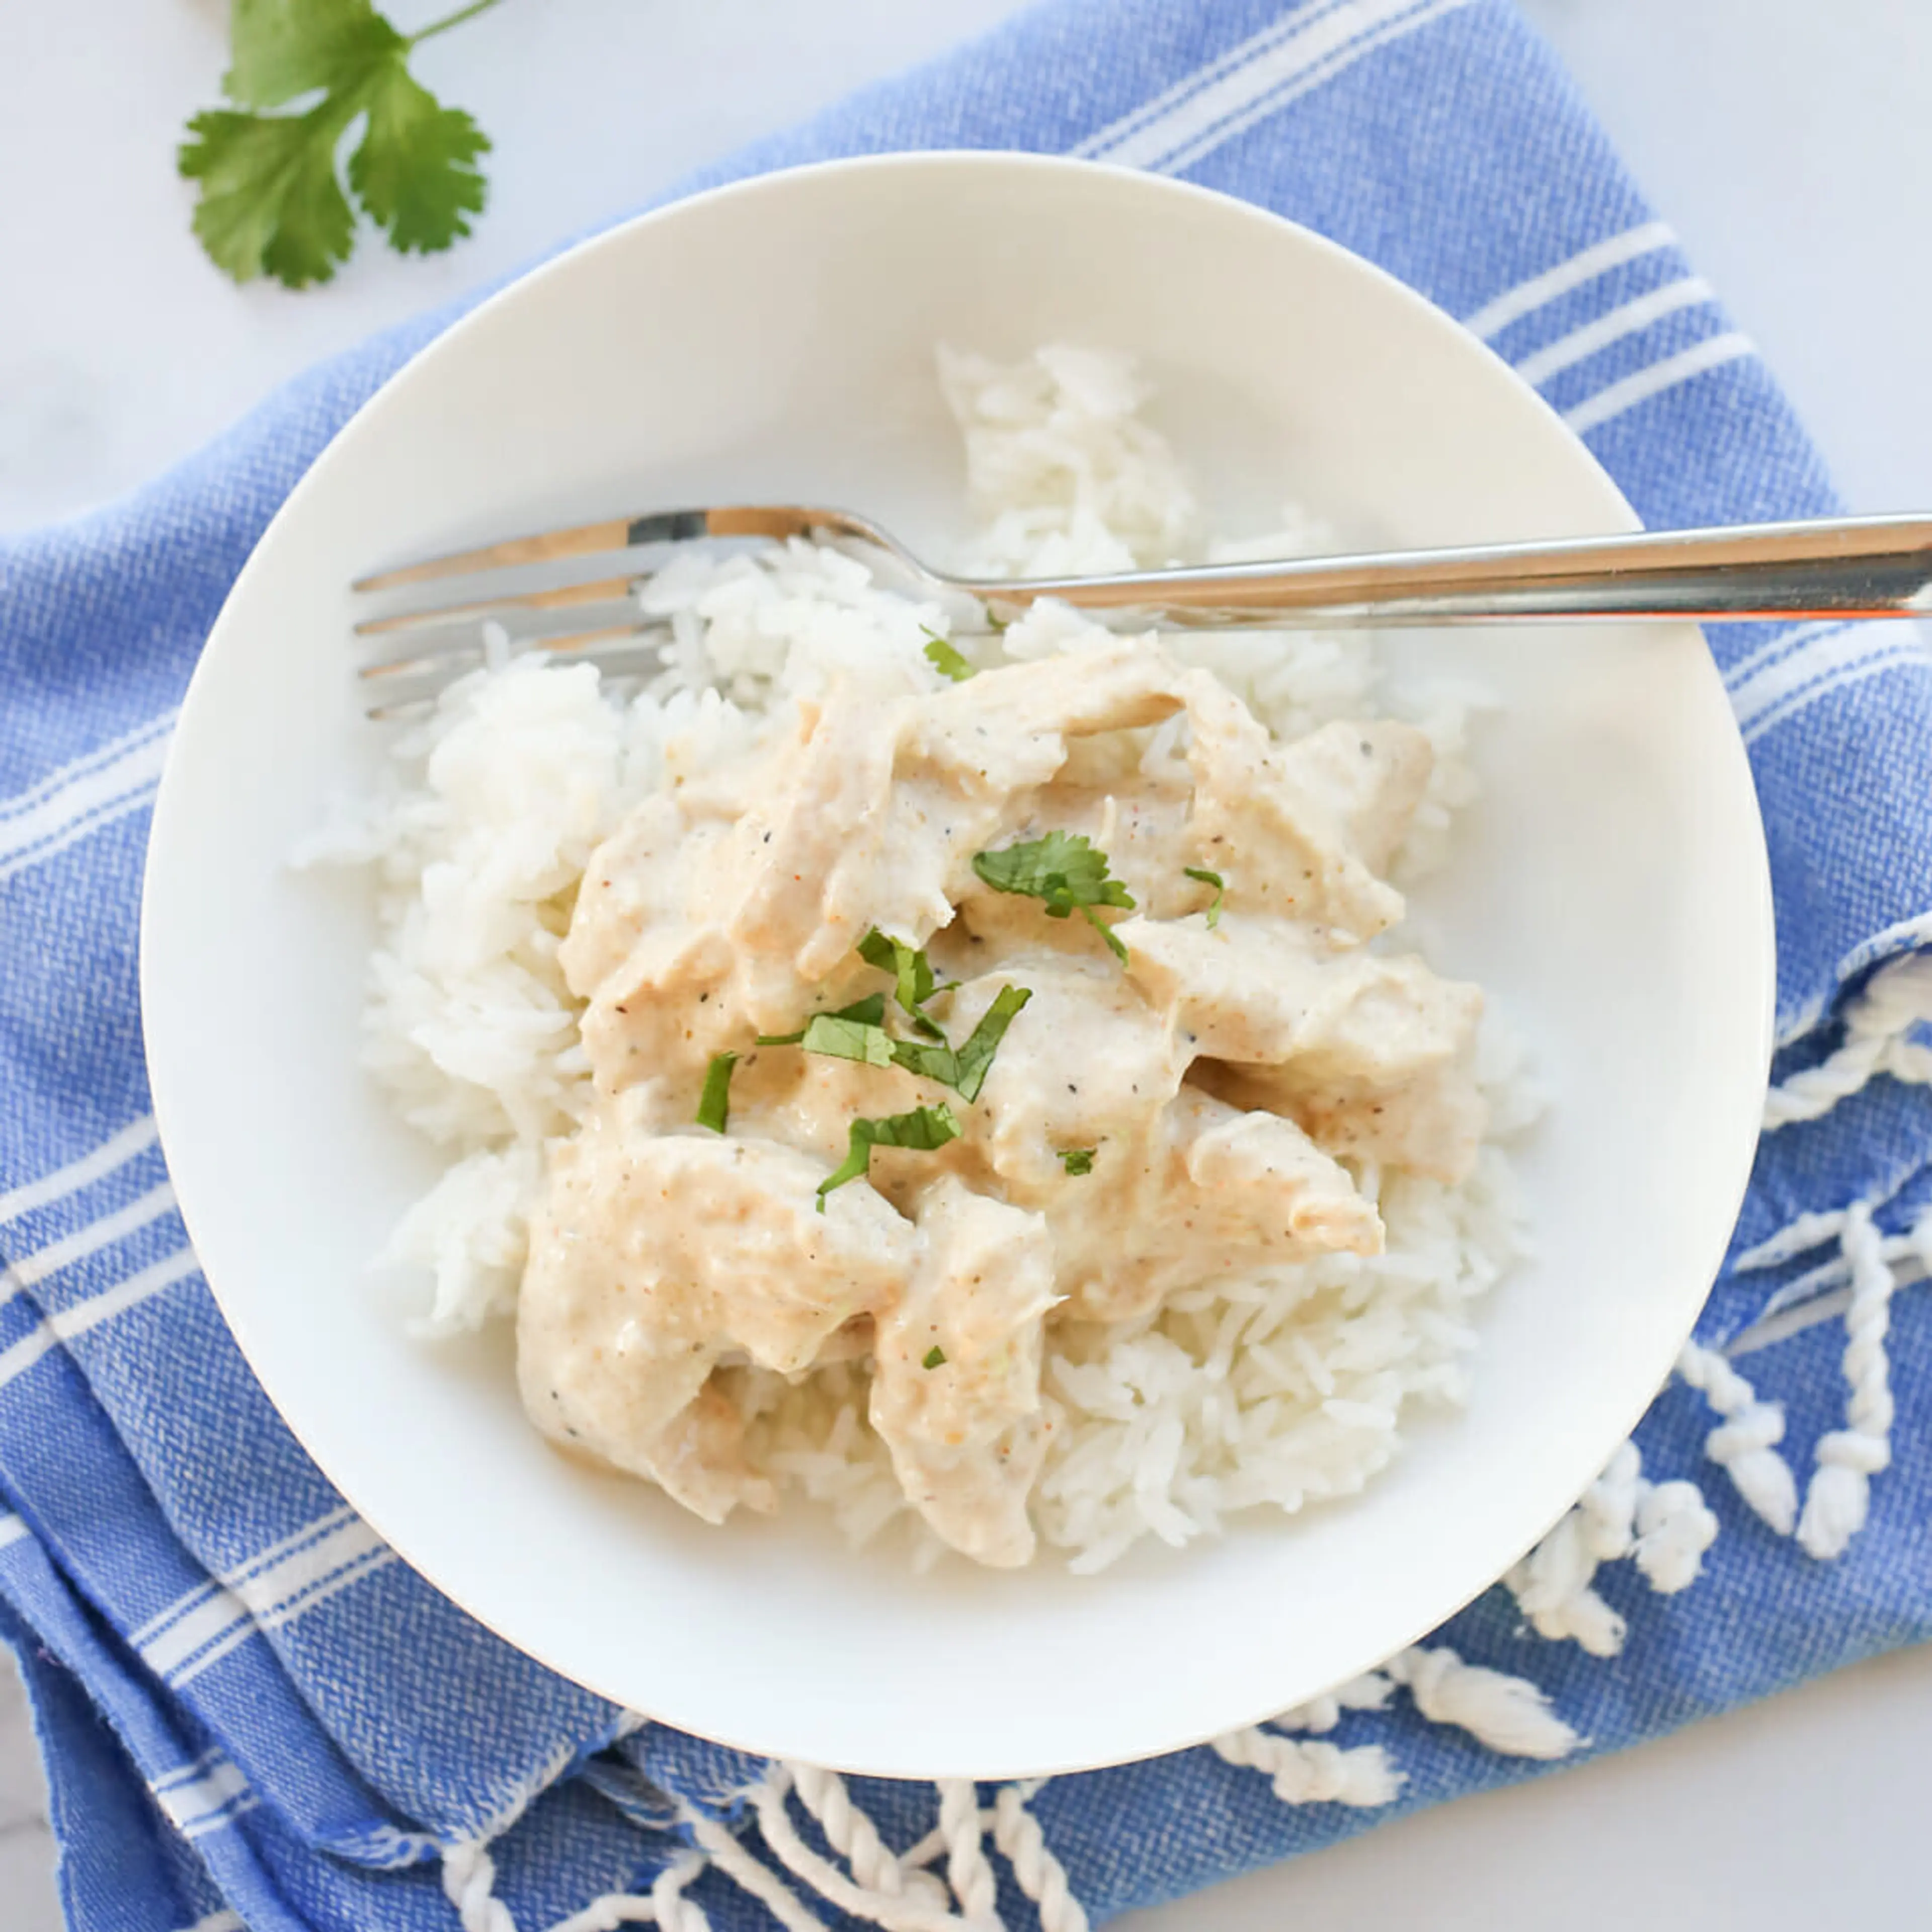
(654, 1255)
(955, 1379)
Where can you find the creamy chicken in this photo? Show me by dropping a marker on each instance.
(1205, 1107)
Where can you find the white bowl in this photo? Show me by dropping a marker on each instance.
(774, 341)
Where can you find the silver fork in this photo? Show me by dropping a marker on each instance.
(1841, 568)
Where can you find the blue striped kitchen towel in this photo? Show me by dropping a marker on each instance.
(254, 1714)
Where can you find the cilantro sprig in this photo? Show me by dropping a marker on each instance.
(271, 198)
(869, 1011)
(923, 1129)
(714, 1104)
(944, 659)
(965, 1068)
(1220, 885)
(858, 1032)
(913, 981)
(1065, 871)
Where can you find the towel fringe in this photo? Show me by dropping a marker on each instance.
(1041, 1876)
(968, 1870)
(665, 1905)
(1878, 1028)
(1839, 1496)
(1664, 1527)
(888, 1896)
(1745, 1443)
(1510, 1715)
(1306, 1771)
(853, 1836)
(750, 1874)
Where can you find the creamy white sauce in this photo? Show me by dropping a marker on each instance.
(1219, 1079)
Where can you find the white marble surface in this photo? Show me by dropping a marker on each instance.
(1787, 141)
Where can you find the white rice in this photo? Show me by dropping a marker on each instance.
(1285, 1387)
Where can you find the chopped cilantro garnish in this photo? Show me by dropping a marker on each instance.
(714, 1104)
(974, 1059)
(944, 659)
(1116, 946)
(870, 1011)
(923, 1130)
(842, 1038)
(913, 981)
(911, 970)
(1220, 886)
(963, 1068)
(931, 1060)
(858, 1032)
(1063, 870)
(1077, 1160)
(935, 1358)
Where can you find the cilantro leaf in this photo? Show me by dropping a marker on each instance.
(870, 1011)
(913, 983)
(933, 1358)
(1078, 1160)
(923, 1130)
(911, 970)
(1116, 946)
(943, 659)
(1220, 886)
(416, 171)
(858, 1032)
(842, 1038)
(270, 199)
(1064, 870)
(279, 49)
(714, 1105)
(931, 1060)
(964, 1069)
(976, 1057)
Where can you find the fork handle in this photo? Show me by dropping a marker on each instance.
(1843, 567)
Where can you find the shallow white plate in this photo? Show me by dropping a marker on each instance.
(774, 341)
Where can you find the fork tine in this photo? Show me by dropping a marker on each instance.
(615, 533)
(550, 546)
(604, 590)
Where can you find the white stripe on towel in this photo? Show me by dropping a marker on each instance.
(82, 798)
(203, 1796)
(1586, 266)
(1841, 656)
(1673, 371)
(29, 1268)
(1780, 644)
(83, 1316)
(1196, 116)
(205, 1625)
(115, 1151)
(1626, 319)
(1164, 103)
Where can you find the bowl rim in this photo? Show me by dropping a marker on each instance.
(344, 446)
